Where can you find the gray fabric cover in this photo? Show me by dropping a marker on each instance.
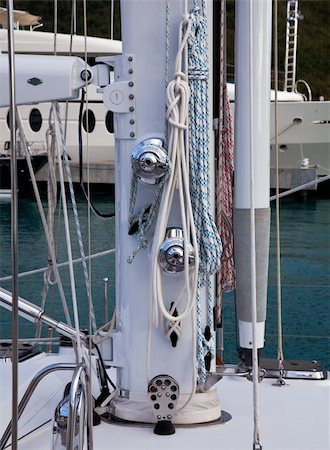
(243, 265)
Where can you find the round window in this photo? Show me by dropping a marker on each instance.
(35, 119)
(8, 119)
(109, 121)
(88, 121)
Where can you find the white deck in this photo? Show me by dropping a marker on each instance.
(292, 417)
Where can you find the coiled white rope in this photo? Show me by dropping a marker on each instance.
(177, 101)
(189, 162)
(105, 330)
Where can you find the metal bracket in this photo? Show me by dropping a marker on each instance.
(119, 96)
(116, 97)
(123, 393)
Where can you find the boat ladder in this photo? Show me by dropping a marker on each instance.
(292, 17)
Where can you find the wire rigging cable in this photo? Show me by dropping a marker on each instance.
(280, 355)
(50, 243)
(58, 123)
(52, 203)
(63, 264)
(96, 211)
(67, 236)
(253, 275)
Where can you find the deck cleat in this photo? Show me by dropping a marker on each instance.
(163, 392)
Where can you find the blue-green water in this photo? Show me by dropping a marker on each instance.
(305, 238)
(32, 250)
(305, 276)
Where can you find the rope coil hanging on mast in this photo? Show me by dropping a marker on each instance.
(188, 149)
(224, 184)
(177, 98)
(209, 242)
(177, 102)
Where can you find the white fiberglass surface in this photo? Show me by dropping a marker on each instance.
(295, 416)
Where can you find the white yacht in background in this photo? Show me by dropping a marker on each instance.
(149, 379)
(303, 127)
(97, 120)
(304, 124)
(303, 138)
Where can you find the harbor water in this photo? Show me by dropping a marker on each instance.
(305, 268)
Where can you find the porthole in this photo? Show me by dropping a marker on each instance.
(88, 121)
(109, 121)
(35, 119)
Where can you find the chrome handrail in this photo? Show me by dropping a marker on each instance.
(80, 378)
(29, 391)
(34, 313)
(73, 404)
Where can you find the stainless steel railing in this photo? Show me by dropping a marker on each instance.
(29, 391)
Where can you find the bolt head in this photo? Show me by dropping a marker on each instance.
(85, 75)
(131, 108)
(132, 134)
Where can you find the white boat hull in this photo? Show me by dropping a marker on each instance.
(308, 139)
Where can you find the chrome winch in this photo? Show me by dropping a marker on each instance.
(171, 253)
(149, 161)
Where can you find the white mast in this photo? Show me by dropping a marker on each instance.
(252, 117)
(138, 97)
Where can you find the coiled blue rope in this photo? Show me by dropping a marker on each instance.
(208, 238)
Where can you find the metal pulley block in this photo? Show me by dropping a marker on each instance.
(171, 253)
(163, 393)
(149, 161)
